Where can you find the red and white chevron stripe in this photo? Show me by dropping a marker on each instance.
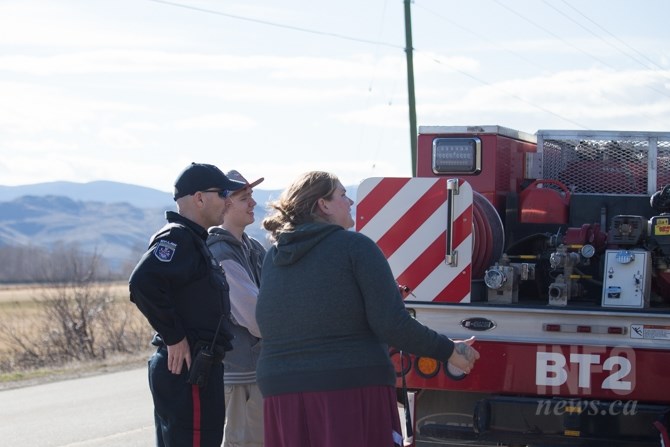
(407, 218)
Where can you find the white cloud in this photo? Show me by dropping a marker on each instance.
(134, 91)
(576, 97)
(31, 108)
(228, 121)
(383, 116)
(78, 24)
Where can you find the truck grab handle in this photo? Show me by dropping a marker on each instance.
(451, 257)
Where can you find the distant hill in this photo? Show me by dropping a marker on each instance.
(113, 219)
(116, 231)
(98, 191)
(111, 192)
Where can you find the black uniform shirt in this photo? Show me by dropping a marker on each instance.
(178, 287)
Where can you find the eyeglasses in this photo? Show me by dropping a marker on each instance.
(223, 193)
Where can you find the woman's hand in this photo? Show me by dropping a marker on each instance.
(464, 355)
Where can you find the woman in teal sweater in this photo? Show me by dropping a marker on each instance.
(328, 308)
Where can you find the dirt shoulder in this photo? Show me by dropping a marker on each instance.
(20, 379)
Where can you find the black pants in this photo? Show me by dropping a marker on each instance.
(186, 415)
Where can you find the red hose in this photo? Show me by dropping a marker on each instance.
(481, 245)
(488, 236)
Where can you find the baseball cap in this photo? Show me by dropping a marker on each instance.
(235, 175)
(201, 177)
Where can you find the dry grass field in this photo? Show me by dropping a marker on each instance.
(21, 304)
(24, 317)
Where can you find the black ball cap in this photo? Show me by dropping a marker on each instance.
(201, 177)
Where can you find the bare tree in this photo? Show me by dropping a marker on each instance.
(80, 319)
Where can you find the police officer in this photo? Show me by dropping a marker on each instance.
(182, 292)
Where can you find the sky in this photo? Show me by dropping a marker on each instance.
(134, 90)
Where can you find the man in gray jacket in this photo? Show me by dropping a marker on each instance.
(241, 258)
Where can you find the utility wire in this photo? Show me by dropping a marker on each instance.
(552, 34)
(571, 45)
(278, 25)
(661, 92)
(612, 35)
(294, 28)
(479, 36)
(340, 36)
(386, 44)
(481, 81)
(376, 151)
(588, 30)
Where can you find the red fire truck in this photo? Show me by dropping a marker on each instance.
(553, 250)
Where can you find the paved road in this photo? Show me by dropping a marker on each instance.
(108, 410)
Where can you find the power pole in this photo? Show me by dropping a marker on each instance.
(410, 84)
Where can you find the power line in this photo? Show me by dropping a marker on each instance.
(389, 45)
(278, 25)
(552, 34)
(295, 28)
(483, 82)
(568, 43)
(376, 151)
(484, 38)
(612, 35)
(588, 30)
(573, 46)
(544, 109)
(608, 43)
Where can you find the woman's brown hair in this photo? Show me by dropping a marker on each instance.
(297, 203)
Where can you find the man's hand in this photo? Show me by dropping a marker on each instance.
(177, 354)
(464, 355)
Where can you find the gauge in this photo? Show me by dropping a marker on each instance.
(588, 251)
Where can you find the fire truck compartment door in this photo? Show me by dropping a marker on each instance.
(424, 228)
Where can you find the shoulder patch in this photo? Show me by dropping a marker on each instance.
(165, 250)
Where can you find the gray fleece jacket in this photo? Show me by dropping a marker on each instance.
(242, 263)
(328, 308)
